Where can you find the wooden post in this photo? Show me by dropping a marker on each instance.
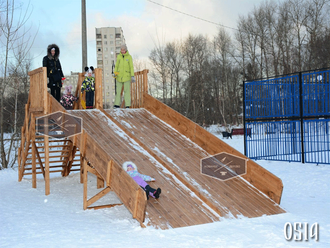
(136, 204)
(81, 169)
(108, 182)
(33, 138)
(140, 90)
(98, 88)
(145, 84)
(46, 138)
(83, 139)
(85, 184)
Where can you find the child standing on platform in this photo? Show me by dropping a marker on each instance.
(67, 100)
(88, 85)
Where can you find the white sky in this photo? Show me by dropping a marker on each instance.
(143, 23)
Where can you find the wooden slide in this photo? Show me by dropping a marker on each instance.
(163, 144)
(159, 150)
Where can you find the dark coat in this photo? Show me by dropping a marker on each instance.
(53, 64)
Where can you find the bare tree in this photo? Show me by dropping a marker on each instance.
(175, 62)
(16, 42)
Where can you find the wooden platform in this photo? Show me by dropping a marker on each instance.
(188, 197)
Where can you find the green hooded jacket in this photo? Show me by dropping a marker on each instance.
(124, 67)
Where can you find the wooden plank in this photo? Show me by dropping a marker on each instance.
(105, 206)
(34, 175)
(98, 88)
(85, 184)
(98, 196)
(81, 169)
(36, 71)
(108, 179)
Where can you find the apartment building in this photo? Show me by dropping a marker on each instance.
(108, 42)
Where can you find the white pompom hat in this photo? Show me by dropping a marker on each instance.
(129, 163)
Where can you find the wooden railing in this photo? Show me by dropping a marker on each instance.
(139, 88)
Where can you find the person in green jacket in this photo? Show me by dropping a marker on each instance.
(124, 73)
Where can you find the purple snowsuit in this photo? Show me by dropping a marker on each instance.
(140, 180)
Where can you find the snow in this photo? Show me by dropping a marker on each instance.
(29, 218)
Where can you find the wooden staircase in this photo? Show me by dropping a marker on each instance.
(63, 155)
(42, 154)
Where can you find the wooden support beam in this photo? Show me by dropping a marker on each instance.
(39, 158)
(136, 204)
(98, 88)
(87, 202)
(110, 164)
(81, 169)
(85, 184)
(34, 175)
(98, 196)
(100, 183)
(105, 206)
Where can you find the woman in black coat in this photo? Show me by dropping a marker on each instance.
(54, 70)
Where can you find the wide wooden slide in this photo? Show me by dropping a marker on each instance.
(163, 144)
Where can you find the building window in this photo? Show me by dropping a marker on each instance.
(118, 42)
(98, 36)
(111, 36)
(111, 42)
(105, 42)
(99, 43)
(99, 62)
(105, 36)
(106, 49)
(118, 35)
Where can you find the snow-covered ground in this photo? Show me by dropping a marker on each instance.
(28, 218)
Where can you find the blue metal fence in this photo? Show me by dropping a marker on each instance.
(289, 117)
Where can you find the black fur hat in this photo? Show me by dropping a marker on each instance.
(57, 51)
(89, 70)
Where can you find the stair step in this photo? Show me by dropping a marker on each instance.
(52, 141)
(50, 167)
(26, 174)
(52, 151)
(37, 162)
(57, 156)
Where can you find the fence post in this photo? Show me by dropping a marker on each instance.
(244, 118)
(301, 118)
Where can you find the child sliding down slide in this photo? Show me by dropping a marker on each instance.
(141, 179)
